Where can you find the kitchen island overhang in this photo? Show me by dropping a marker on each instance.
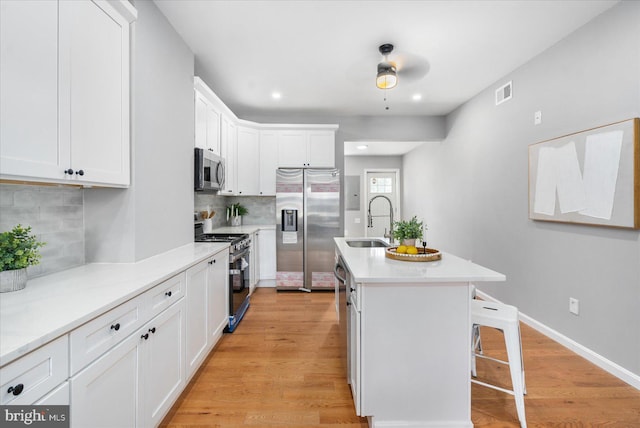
(409, 337)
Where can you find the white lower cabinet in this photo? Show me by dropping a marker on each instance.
(57, 397)
(218, 296)
(266, 259)
(254, 266)
(354, 341)
(105, 394)
(196, 302)
(26, 380)
(162, 368)
(135, 383)
(207, 308)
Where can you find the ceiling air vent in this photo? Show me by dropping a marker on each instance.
(504, 93)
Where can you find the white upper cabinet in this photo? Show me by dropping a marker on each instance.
(321, 147)
(228, 141)
(207, 126)
(248, 161)
(306, 149)
(29, 87)
(268, 162)
(65, 67)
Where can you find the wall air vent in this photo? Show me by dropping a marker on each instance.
(504, 93)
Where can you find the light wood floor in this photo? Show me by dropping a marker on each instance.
(284, 367)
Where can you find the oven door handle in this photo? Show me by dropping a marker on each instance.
(242, 253)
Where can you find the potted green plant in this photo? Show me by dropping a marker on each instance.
(18, 250)
(235, 213)
(408, 231)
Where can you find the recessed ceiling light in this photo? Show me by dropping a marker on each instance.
(276, 95)
(362, 147)
(417, 97)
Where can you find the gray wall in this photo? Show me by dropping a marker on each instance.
(155, 214)
(477, 206)
(355, 165)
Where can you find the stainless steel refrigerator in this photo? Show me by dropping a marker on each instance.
(307, 219)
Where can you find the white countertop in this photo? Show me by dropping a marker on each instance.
(248, 228)
(369, 265)
(55, 304)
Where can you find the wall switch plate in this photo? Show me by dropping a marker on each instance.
(357, 219)
(574, 306)
(537, 118)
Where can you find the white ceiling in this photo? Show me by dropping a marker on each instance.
(322, 55)
(381, 148)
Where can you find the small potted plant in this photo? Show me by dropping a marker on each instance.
(235, 213)
(18, 249)
(408, 231)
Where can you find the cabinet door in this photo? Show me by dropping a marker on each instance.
(196, 312)
(321, 149)
(254, 265)
(268, 162)
(292, 149)
(267, 254)
(218, 295)
(248, 161)
(213, 130)
(200, 121)
(354, 354)
(105, 394)
(57, 397)
(94, 90)
(29, 87)
(163, 363)
(228, 152)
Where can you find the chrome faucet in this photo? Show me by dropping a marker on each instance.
(388, 235)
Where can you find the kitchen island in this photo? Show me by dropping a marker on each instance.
(408, 336)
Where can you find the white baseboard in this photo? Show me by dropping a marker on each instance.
(373, 423)
(267, 283)
(597, 359)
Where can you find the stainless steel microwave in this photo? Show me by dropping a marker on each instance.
(209, 170)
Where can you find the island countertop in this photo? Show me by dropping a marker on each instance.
(369, 265)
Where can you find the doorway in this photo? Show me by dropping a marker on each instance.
(382, 200)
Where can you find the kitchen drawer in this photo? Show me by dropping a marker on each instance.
(165, 294)
(57, 397)
(94, 338)
(35, 374)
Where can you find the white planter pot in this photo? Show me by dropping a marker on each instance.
(236, 220)
(409, 242)
(13, 280)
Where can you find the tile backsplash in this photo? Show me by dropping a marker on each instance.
(55, 214)
(262, 209)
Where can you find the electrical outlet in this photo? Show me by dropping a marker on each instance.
(574, 306)
(537, 118)
(357, 220)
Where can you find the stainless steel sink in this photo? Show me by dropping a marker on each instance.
(366, 243)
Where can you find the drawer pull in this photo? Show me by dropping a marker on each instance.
(212, 261)
(152, 330)
(145, 336)
(16, 390)
(115, 327)
(168, 294)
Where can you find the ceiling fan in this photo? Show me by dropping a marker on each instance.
(409, 66)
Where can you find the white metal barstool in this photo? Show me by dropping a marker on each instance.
(505, 318)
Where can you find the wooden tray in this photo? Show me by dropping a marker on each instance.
(431, 255)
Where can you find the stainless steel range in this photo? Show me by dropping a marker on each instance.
(239, 280)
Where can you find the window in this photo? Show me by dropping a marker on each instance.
(380, 185)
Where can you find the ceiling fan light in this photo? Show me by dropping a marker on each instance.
(387, 77)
